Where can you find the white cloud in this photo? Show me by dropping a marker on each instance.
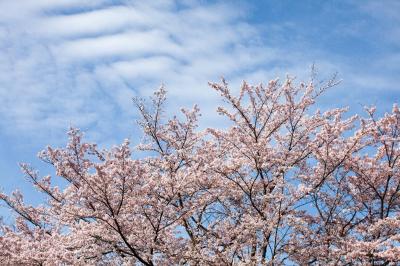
(80, 62)
(99, 21)
(127, 44)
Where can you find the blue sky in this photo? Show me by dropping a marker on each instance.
(79, 62)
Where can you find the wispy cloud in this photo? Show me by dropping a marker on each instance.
(80, 62)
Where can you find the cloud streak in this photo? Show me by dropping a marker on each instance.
(80, 62)
(84, 64)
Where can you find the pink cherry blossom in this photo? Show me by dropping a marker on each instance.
(281, 185)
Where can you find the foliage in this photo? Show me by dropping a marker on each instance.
(278, 186)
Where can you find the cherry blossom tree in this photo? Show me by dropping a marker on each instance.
(283, 184)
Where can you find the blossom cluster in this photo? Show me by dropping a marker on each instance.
(280, 185)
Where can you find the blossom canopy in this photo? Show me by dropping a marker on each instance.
(282, 184)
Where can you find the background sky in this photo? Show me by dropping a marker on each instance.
(79, 62)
